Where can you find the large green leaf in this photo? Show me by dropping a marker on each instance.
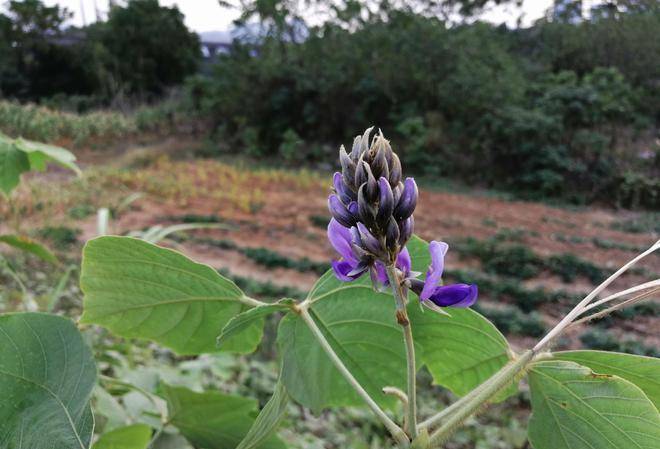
(462, 349)
(268, 420)
(136, 436)
(249, 320)
(39, 154)
(213, 420)
(574, 408)
(28, 245)
(137, 289)
(13, 162)
(642, 371)
(360, 325)
(47, 374)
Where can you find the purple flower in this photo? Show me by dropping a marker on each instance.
(350, 267)
(455, 295)
(403, 264)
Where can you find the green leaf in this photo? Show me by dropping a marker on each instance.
(39, 154)
(574, 408)
(13, 162)
(139, 290)
(28, 245)
(136, 436)
(642, 371)
(47, 374)
(462, 349)
(268, 419)
(213, 420)
(360, 325)
(249, 320)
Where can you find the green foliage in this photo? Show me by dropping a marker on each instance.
(268, 419)
(28, 245)
(51, 125)
(513, 260)
(459, 364)
(62, 237)
(525, 120)
(149, 46)
(272, 259)
(263, 289)
(644, 372)
(574, 407)
(606, 341)
(47, 373)
(141, 49)
(213, 420)
(511, 320)
(250, 318)
(645, 223)
(569, 266)
(136, 436)
(360, 326)
(18, 156)
(517, 261)
(139, 290)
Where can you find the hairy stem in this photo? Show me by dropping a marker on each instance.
(402, 319)
(581, 306)
(396, 431)
(476, 399)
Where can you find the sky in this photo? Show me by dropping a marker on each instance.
(207, 15)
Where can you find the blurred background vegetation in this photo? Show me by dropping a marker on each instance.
(567, 108)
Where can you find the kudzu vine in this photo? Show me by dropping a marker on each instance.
(354, 340)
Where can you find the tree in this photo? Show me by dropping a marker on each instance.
(149, 46)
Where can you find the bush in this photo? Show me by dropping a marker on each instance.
(466, 101)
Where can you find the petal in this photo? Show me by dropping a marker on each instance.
(381, 273)
(434, 273)
(342, 268)
(438, 251)
(455, 295)
(340, 238)
(403, 262)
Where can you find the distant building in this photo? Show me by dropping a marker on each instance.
(567, 11)
(215, 43)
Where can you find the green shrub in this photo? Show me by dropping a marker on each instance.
(606, 341)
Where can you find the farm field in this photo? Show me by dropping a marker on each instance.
(532, 261)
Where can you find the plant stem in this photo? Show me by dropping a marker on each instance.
(402, 319)
(396, 431)
(476, 399)
(580, 308)
(251, 301)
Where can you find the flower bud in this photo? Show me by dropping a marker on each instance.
(385, 202)
(371, 190)
(406, 228)
(369, 242)
(395, 170)
(379, 164)
(345, 194)
(347, 168)
(366, 211)
(392, 235)
(406, 205)
(340, 212)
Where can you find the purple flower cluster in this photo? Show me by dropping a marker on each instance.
(372, 212)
